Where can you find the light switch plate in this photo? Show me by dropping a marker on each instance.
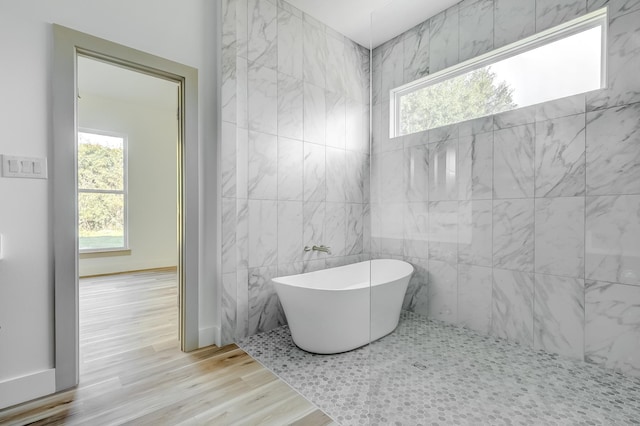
(24, 167)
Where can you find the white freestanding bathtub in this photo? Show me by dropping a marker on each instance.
(336, 310)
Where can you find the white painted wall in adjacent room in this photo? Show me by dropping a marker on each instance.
(152, 178)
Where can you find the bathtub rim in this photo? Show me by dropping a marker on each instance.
(359, 286)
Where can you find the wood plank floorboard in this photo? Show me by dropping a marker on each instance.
(133, 373)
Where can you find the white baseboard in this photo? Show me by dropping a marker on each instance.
(26, 388)
(209, 336)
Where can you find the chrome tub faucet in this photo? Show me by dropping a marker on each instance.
(321, 248)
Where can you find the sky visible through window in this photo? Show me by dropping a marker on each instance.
(556, 70)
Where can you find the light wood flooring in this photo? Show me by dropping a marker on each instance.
(132, 371)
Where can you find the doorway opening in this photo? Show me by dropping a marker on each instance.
(127, 184)
(83, 233)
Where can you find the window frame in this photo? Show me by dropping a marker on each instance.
(567, 29)
(124, 192)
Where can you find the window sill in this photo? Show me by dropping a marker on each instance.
(105, 253)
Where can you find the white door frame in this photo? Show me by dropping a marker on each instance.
(68, 44)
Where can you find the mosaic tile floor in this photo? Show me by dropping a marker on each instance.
(429, 373)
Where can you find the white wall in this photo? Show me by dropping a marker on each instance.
(152, 178)
(170, 29)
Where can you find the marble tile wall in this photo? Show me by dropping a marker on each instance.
(294, 155)
(524, 225)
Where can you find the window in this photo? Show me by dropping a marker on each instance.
(560, 62)
(102, 191)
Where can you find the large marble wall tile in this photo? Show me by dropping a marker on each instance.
(376, 76)
(228, 9)
(571, 105)
(290, 107)
(512, 306)
(392, 66)
(515, 117)
(242, 163)
(314, 52)
(613, 239)
(616, 7)
(376, 177)
(386, 142)
(336, 174)
(476, 126)
(443, 231)
(559, 236)
(475, 229)
(391, 177)
(263, 99)
(550, 13)
(444, 133)
(263, 31)
(376, 129)
(228, 159)
(416, 52)
(314, 265)
(623, 62)
(558, 320)
(290, 269)
(315, 114)
(513, 150)
(242, 95)
(313, 220)
(228, 93)
(265, 311)
(474, 297)
(263, 166)
(443, 173)
(613, 326)
(356, 71)
(367, 224)
(290, 228)
(336, 120)
(364, 75)
(354, 243)
(476, 29)
(475, 167)
(514, 20)
(443, 39)
(513, 234)
(335, 228)
(391, 229)
(443, 291)
(242, 234)
(314, 172)
(228, 305)
(263, 223)
(416, 299)
(416, 230)
(290, 44)
(357, 172)
(613, 150)
(335, 75)
(356, 118)
(560, 157)
(416, 173)
(228, 235)
(242, 27)
(242, 304)
(416, 139)
(290, 169)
